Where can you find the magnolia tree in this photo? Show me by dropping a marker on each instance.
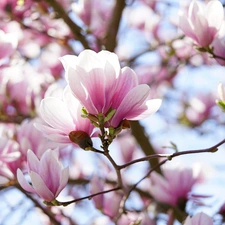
(80, 82)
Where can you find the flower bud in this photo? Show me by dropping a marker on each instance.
(81, 138)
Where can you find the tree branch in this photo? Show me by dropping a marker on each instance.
(113, 26)
(75, 29)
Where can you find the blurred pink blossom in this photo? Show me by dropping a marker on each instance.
(99, 83)
(200, 109)
(9, 152)
(202, 22)
(199, 219)
(22, 93)
(48, 177)
(29, 137)
(95, 14)
(128, 147)
(175, 184)
(107, 203)
(135, 218)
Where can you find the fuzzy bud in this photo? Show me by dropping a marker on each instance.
(81, 138)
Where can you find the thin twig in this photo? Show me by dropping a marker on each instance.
(89, 196)
(171, 156)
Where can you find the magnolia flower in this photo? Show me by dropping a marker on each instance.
(48, 177)
(173, 188)
(202, 23)
(99, 83)
(61, 117)
(199, 219)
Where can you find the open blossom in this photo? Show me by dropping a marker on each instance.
(99, 83)
(199, 219)
(62, 116)
(176, 184)
(202, 23)
(48, 177)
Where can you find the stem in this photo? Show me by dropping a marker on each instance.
(88, 197)
(218, 57)
(117, 168)
(171, 156)
(212, 149)
(146, 158)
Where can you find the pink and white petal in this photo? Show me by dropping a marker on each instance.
(45, 129)
(149, 108)
(50, 170)
(73, 105)
(194, 11)
(63, 180)
(134, 99)
(95, 86)
(60, 138)
(186, 27)
(40, 187)
(215, 14)
(110, 58)
(110, 84)
(3, 180)
(32, 161)
(68, 61)
(202, 32)
(23, 183)
(76, 80)
(88, 60)
(127, 80)
(55, 113)
(162, 195)
(75, 109)
(11, 156)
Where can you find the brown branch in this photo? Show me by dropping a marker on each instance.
(75, 29)
(113, 26)
(89, 196)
